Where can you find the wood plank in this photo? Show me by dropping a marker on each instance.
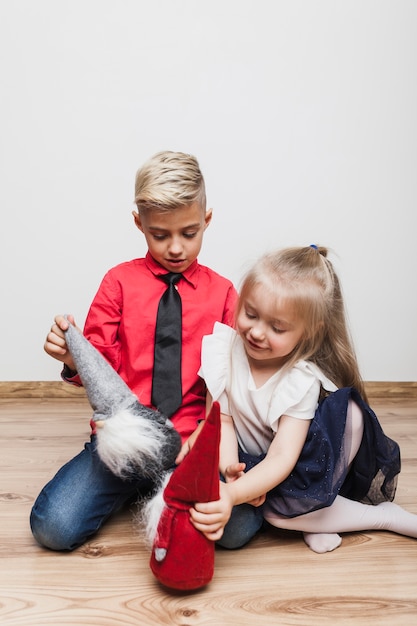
(370, 580)
(39, 389)
(397, 390)
(61, 389)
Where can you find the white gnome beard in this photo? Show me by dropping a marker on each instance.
(150, 512)
(128, 444)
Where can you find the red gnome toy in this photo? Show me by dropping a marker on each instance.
(182, 557)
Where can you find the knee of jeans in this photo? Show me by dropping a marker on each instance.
(244, 524)
(54, 533)
(236, 540)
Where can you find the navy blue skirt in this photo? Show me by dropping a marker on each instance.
(321, 472)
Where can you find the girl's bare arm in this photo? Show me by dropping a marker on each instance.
(211, 517)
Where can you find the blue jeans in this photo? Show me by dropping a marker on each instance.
(244, 523)
(246, 520)
(73, 506)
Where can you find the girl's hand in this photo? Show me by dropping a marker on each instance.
(258, 501)
(210, 518)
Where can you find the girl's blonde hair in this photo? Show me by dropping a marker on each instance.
(169, 180)
(305, 278)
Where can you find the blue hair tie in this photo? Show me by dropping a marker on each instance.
(313, 245)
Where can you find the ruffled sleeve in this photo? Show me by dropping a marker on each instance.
(215, 362)
(297, 393)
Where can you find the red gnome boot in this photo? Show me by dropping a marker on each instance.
(182, 557)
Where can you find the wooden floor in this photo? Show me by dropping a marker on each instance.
(370, 579)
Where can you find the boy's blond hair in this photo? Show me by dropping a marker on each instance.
(169, 180)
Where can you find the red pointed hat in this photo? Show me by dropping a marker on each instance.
(182, 557)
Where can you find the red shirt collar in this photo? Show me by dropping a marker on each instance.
(190, 274)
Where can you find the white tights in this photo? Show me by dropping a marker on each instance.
(320, 527)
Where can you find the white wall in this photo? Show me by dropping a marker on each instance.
(302, 115)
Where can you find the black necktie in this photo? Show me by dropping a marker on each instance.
(166, 380)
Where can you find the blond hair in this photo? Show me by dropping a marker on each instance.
(305, 278)
(169, 180)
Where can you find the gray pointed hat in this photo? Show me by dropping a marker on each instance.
(133, 440)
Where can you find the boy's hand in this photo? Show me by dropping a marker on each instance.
(186, 447)
(210, 518)
(235, 471)
(55, 344)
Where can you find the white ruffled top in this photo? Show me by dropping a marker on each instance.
(256, 410)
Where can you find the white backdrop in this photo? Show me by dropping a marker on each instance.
(301, 113)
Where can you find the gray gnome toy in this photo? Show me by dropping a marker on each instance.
(131, 438)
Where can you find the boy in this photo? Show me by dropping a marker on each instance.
(171, 213)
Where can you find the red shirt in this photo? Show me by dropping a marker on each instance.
(121, 325)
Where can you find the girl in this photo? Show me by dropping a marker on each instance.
(294, 414)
